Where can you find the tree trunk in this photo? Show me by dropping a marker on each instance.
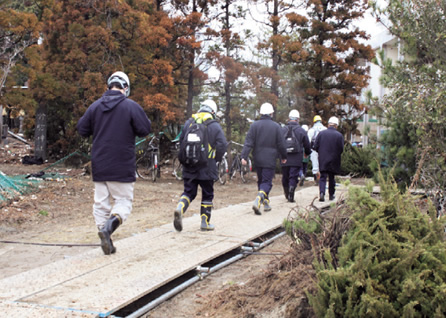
(190, 88)
(228, 111)
(40, 134)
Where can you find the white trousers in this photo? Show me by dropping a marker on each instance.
(314, 161)
(122, 195)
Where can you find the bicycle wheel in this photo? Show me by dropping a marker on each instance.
(154, 168)
(233, 171)
(222, 171)
(177, 169)
(143, 167)
(244, 171)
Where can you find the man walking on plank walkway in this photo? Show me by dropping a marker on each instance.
(267, 143)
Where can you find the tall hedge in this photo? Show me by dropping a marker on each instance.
(357, 161)
(391, 263)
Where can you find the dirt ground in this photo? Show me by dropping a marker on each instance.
(56, 222)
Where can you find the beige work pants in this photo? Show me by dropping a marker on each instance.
(122, 195)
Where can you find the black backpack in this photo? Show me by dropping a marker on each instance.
(194, 147)
(293, 145)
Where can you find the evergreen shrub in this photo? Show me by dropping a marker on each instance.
(356, 161)
(391, 262)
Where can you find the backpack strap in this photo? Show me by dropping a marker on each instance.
(290, 131)
(211, 150)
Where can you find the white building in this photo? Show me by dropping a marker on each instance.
(391, 47)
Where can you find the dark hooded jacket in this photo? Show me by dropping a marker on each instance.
(329, 145)
(266, 141)
(295, 159)
(217, 142)
(114, 121)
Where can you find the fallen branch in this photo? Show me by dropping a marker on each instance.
(18, 137)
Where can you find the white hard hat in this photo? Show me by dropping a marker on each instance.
(266, 109)
(122, 79)
(305, 127)
(294, 114)
(210, 104)
(333, 121)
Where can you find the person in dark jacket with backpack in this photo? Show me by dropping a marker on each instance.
(195, 171)
(297, 143)
(267, 143)
(329, 145)
(114, 121)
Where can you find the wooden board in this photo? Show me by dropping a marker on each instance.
(23, 310)
(93, 283)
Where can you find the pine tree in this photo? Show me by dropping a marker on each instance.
(392, 261)
(329, 56)
(83, 44)
(19, 30)
(416, 85)
(225, 56)
(190, 23)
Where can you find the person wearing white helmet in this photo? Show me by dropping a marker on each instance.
(114, 121)
(119, 80)
(312, 134)
(329, 145)
(208, 106)
(201, 175)
(298, 146)
(266, 141)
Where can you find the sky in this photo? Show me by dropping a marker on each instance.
(368, 23)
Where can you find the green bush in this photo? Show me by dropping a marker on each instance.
(357, 161)
(391, 262)
(399, 149)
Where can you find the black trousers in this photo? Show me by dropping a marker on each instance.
(323, 182)
(265, 179)
(191, 189)
(290, 176)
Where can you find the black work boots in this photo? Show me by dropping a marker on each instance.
(266, 206)
(321, 197)
(182, 206)
(291, 194)
(331, 197)
(286, 191)
(105, 234)
(205, 213)
(258, 202)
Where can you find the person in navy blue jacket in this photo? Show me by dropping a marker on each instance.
(293, 165)
(267, 143)
(114, 121)
(329, 145)
(202, 176)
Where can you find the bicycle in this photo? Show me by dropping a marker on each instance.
(222, 168)
(237, 166)
(147, 166)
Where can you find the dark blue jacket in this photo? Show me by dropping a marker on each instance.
(114, 121)
(295, 159)
(329, 145)
(266, 141)
(217, 141)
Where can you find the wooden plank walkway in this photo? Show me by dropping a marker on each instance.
(92, 284)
